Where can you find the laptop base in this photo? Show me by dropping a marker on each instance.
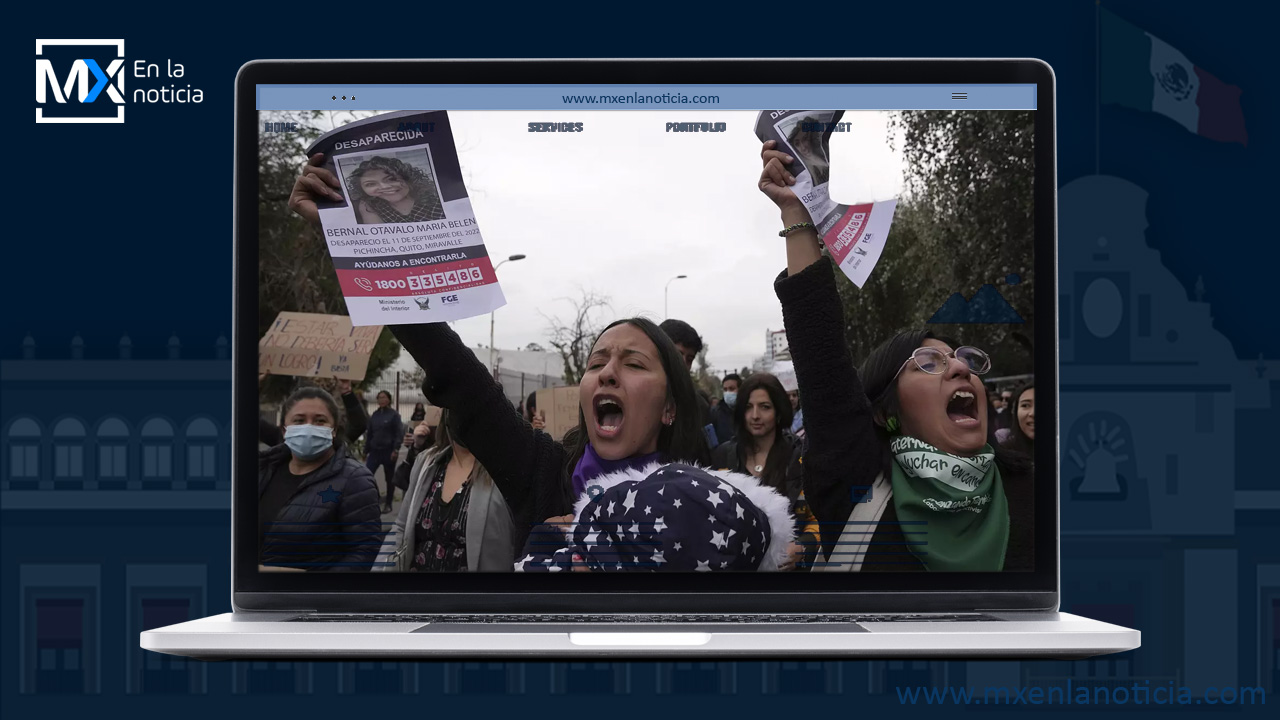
(1007, 635)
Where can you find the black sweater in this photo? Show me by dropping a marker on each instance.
(843, 451)
(527, 465)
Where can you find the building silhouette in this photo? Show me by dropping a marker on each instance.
(114, 502)
(1163, 499)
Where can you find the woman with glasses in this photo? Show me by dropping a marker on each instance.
(898, 468)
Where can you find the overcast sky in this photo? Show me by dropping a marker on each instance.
(624, 206)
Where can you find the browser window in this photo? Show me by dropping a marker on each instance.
(646, 328)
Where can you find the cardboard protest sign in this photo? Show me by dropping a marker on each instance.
(853, 234)
(560, 407)
(404, 242)
(314, 345)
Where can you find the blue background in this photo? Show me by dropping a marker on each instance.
(125, 230)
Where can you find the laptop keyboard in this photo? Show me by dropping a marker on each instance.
(625, 619)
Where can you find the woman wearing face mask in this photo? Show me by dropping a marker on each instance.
(910, 427)
(317, 507)
(454, 518)
(1022, 432)
(766, 449)
(387, 190)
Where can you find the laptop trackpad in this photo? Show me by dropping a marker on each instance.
(639, 639)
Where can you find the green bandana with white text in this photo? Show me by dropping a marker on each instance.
(960, 501)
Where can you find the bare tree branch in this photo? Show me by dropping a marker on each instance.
(573, 339)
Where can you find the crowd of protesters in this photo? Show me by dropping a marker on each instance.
(824, 472)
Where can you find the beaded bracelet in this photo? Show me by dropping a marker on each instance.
(792, 228)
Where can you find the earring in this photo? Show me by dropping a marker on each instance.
(667, 420)
(891, 424)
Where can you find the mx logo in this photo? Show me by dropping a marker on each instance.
(86, 81)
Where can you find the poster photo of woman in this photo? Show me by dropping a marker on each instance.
(392, 186)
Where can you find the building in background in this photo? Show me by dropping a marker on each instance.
(520, 372)
(776, 345)
(115, 499)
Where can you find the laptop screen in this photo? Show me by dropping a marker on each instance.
(643, 328)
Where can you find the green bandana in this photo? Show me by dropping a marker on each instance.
(960, 500)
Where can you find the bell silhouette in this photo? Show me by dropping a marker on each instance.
(1100, 473)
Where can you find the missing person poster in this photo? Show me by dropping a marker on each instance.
(315, 345)
(853, 234)
(405, 242)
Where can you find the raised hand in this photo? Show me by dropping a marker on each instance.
(775, 181)
(803, 247)
(314, 183)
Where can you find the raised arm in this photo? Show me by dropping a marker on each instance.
(526, 465)
(357, 416)
(844, 454)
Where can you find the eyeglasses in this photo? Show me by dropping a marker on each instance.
(934, 361)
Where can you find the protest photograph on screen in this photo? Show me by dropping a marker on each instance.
(489, 344)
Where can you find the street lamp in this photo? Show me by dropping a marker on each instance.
(666, 316)
(493, 368)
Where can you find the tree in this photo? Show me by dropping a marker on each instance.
(573, 339)
(534, 347)
(703, 378)
(964, 221)
(295, 271)
(415, 377)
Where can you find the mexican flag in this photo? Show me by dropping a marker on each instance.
(1145, 73)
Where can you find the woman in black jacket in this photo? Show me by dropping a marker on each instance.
(317, 507)
(897, 455)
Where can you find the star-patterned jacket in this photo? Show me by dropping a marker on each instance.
(671, 517)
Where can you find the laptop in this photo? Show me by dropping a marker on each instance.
(668, 427)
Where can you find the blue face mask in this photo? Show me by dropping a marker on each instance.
(308, 442)
(730, 398)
